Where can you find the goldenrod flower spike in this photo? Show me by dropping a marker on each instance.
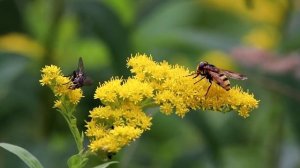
(173, 91)
(122, 119)
(66, 98)
(60, 85)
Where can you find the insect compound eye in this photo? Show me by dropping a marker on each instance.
(202, 64)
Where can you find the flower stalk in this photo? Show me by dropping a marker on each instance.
(66, 103)
(72, 124)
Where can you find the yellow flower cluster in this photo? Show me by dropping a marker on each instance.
(112, 128)
(174, 91)
(132, 90)
(122, 119)
(60, 85)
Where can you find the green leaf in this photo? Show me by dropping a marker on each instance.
(104, 165)
(23, 154)
(77, 161)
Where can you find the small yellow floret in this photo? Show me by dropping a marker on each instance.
(52, 71)
(57, 104)
(107, 92)
(75, 95)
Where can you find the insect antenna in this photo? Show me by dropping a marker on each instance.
(80, 65)
(190, 74)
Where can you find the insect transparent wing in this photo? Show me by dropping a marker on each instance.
(80, 65)
(233, 75)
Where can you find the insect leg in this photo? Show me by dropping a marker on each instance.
(208, 89)
(200, 79)
(196, 76)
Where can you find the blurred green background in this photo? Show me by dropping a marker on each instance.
(259, 38)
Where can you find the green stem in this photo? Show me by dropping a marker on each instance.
(72, 123)
(76, 134)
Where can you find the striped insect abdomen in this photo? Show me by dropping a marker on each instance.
(221, 80)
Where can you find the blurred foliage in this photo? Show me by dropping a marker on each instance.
(105, 32)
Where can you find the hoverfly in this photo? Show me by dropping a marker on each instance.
(219, 76)
(78, 77)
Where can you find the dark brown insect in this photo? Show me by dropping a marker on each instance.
(79, 77)
(219, 76)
